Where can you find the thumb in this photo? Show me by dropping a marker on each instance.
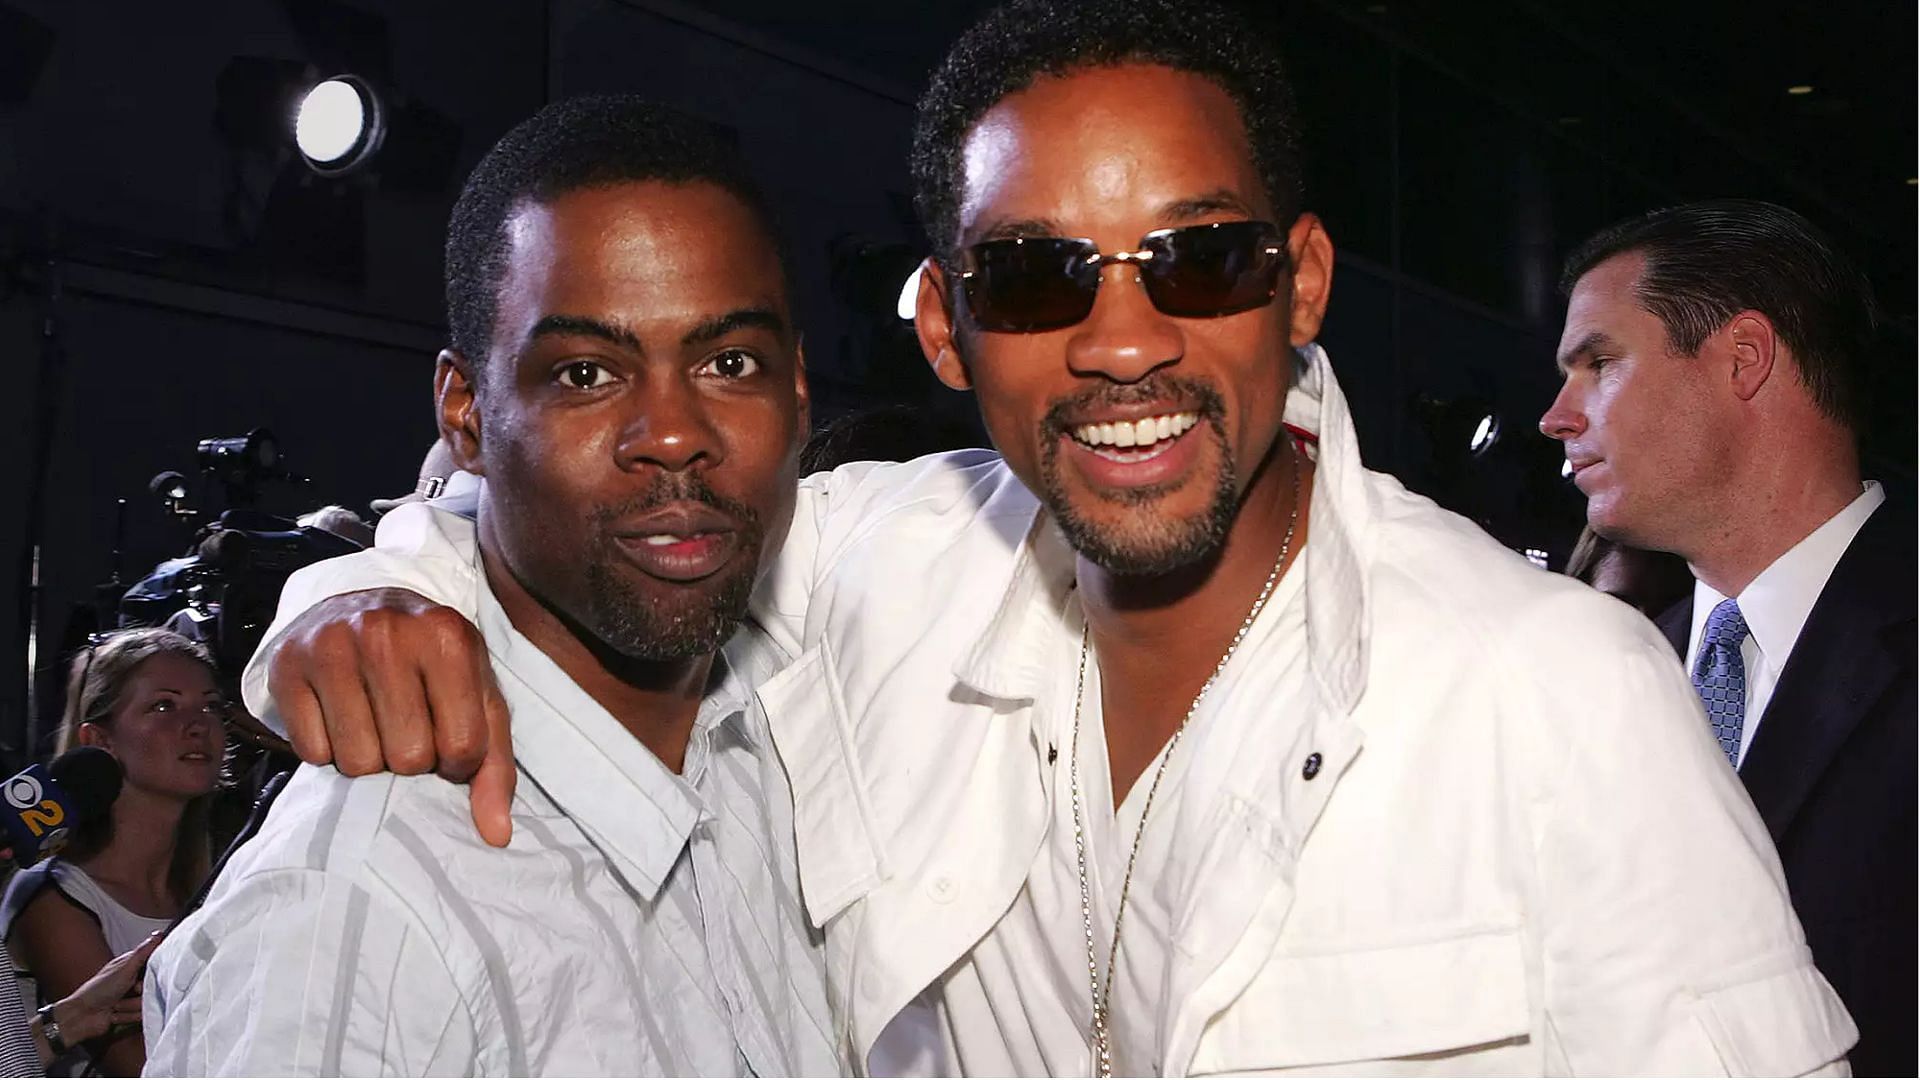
(492, 786)
(139, 953)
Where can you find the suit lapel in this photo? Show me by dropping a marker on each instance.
(1838, 670)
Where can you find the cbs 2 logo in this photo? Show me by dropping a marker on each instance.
(39, 813)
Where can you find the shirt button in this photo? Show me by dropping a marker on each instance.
(941, 889)
(1311, 767)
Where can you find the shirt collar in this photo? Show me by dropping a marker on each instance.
(1777, 602)
(627, 802)
(1011, 657)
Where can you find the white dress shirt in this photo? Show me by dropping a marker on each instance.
(1777, 602)
(1461, 817)
(1029, 974)
(640, 923)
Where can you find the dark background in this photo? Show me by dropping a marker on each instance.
(198, 280)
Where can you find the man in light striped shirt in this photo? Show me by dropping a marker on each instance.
(626, 376)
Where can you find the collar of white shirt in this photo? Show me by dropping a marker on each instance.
(1777, 602)
(1002, 663)
(634, 808)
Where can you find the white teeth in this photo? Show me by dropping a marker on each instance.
(661, 539)
(1143, 432)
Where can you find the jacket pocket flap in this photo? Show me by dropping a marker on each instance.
(1785, 1024)
(1366, 1005)
(839, 855)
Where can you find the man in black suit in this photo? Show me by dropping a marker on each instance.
(1712, 357)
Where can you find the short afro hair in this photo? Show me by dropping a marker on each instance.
(1708, 261)
(1023, 40)
(574, 145)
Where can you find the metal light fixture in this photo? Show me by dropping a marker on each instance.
(339, 125)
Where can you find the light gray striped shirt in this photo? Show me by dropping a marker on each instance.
(641, 922)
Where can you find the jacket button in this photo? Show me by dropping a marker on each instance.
(1311, 767)
(941, 888)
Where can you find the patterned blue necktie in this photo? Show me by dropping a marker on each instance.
(1720, 676)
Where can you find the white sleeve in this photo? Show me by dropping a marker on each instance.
(304, 973)
(780, 599)
(833, 510)
(1670, 944)
(421, 548)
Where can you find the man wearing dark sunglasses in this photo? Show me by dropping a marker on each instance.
(1173, 740)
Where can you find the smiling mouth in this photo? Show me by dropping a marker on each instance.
(1134, 440)
(195, 755)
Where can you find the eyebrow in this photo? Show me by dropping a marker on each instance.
(719, 326)
(1586, 346)
(1213, 202)
(583, 326)
(1020, 227)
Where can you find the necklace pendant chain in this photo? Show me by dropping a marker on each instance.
(1102, 1033)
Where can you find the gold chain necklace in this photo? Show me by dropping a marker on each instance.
(1103, 989)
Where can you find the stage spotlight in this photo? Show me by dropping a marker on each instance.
(1459, 429)
(909, 295)
(339, 125)
(1485, 434)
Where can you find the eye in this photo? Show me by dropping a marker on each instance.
(163, 705)
(732, 364)
(583, 375)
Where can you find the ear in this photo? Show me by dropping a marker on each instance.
(1310, 253)
(803, 402)
(454, 393)
(933, 323)
(92, 734)
(1755, 347)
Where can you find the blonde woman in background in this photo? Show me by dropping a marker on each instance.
(149, 697)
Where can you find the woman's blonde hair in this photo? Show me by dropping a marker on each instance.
(97, 683)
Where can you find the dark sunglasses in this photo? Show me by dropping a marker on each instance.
(1027, 284)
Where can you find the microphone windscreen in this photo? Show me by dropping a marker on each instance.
(41, 805)
(91, 777)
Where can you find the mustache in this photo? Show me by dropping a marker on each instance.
(678, 488)
(1195, 394)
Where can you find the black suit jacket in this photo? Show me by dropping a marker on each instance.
(1832, 770)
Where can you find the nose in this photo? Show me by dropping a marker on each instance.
(1564, 420)
(1124, 337)
(198, 723)
(669, 426)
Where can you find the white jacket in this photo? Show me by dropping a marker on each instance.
(1521, 851)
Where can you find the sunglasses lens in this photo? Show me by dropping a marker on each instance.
(1202, 271)
(1031, 283)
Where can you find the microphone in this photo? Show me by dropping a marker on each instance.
(45, 803)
